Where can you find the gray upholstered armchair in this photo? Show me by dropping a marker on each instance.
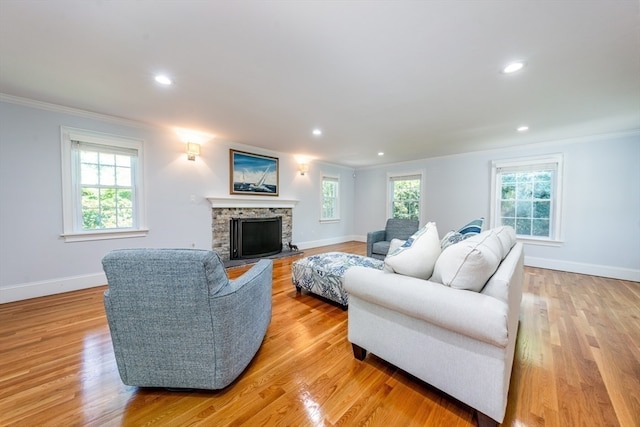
(378, 241)
(176, 320)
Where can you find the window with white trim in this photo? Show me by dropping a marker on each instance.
(404, 196)
(102, 186)
(527, 194)
(330, 198)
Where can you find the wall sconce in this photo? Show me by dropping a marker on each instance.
(193, 150)
(303, 168)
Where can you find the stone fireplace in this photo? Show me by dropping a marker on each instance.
(224, 209)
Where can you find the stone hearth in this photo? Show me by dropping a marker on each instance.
(223, 209)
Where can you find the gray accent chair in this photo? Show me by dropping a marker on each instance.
(177, 321)
(378, 241)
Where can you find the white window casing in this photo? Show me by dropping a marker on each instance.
(405, 176)
(73, 142)
(553, 164)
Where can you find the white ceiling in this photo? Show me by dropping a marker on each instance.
(414, 79)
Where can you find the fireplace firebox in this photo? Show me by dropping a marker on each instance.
(255, 237)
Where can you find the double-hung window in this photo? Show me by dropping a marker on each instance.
(102, 186)
(330, 198)
(404, 196)
(527, 195)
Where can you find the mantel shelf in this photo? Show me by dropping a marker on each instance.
(251, 202)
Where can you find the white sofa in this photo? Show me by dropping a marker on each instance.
(459, 341)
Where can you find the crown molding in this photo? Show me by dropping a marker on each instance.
(41, 105)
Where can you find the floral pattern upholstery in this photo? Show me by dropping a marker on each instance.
(322, 274)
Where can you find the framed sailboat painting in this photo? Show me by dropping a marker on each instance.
(253, 174)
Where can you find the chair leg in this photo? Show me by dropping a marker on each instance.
(358, 352)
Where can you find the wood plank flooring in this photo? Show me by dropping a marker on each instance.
(577, 364)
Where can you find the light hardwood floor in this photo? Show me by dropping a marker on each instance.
(577, 364)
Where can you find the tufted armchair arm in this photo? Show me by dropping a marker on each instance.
(373, 237)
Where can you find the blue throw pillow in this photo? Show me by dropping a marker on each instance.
(451, 238)
(474, 227)
(471, 229)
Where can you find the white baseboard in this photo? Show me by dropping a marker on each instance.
(582, 268)
(66, 284)
(324, 242)
(51, 287)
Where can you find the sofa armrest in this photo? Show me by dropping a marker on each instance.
(465, 312)
(372, 237)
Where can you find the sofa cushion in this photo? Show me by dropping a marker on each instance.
(469, 313)
(507, 236)
(381, 247)
(470, 263)
(417, 256)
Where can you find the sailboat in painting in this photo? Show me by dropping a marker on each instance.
(261, 186)
(254, 174)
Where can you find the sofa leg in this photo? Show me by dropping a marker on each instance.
(358, 352)
(485, 420)
(298, 289)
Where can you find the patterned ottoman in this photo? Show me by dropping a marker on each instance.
(322, 274)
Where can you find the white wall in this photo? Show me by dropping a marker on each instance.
(35, 260)
(601, 225)
(601, 207)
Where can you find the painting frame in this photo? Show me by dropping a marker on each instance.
(253, 174)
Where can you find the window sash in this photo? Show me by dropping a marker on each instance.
(105, 205)
(410, 204)
(330, 204)
(528, 202)
(523, 210)
(109, 212)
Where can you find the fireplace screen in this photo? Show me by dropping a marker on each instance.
(255, 237)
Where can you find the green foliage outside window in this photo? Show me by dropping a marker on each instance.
(526, 202)
(329, 198)
(406, 199)
(107, 195)
(104, 208)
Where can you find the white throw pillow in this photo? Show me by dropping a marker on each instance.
(417, 256)
(395, 244)
(470, 263)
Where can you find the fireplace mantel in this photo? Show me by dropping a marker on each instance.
(251, 202)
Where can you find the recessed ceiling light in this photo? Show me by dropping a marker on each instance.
(380, 153)
(513, 67)
(163, 80)
(317, 132)
(523, 128)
